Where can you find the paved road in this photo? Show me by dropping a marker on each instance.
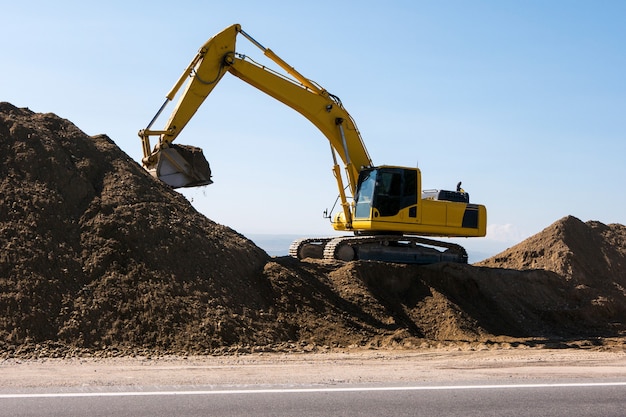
(556, 398)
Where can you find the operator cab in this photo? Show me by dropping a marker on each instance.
(384, 191)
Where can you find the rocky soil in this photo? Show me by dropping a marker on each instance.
(99, 258)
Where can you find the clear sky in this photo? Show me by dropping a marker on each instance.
(523, 101)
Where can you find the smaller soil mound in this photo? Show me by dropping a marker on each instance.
(590, 257)
(589, 253)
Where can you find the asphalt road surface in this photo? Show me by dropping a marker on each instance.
(428, 382)
(556, 398)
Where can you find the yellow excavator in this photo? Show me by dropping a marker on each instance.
(383, 206)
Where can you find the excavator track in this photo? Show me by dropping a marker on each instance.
(308, 248)
(386, 248)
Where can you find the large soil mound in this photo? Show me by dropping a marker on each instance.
(95, 252)
(97, 256)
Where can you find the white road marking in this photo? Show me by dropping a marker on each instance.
(308, 390)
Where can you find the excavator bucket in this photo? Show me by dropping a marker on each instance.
(181, 166)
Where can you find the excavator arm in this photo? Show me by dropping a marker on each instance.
(181, 166)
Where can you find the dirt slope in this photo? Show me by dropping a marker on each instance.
(98, 257)
(95, 252)
(590, 257)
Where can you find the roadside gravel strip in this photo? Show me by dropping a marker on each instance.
(432, 365)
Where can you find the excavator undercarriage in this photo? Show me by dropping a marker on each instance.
(385, 248)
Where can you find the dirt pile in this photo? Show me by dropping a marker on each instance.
(590, 253)
(95, 252)
(97, 256)
(590, 257)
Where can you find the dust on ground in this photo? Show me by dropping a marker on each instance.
(101, 260)
(462, 363)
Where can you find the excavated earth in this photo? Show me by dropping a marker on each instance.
(99, 258)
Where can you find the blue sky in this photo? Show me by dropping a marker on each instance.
(523, 101)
